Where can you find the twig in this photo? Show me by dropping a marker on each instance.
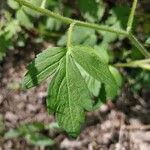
(121, 134)
(139, 127)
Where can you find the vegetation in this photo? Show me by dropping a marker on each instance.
(84, 68)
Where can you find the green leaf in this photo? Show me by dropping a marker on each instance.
(148, 41)
(69, 93)
(111, 37)
(4, 44)
(81, 35)
(90, 61)
(122, 13)
(102, 51)
(23, 19)
(12, 4)
(13, 133)
(93, 84)
(116, 74)
(68, 97)
(43, 66)
(12, 28)
(91, 10)
(30, 127)
(101, 99)
(53, 24)
(39, 140)
(115, 20)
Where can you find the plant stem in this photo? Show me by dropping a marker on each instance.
(144, 64)
(129, 65)
(69, 35)
(131, 16)
(138, 45)
(43, 3)
(92, 25)
(69, 20)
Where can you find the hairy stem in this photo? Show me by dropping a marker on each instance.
(138, 45)
(69, 36)
(144, 64)
(131, 16)
(43, 3)
(92, 25)
(69, 20)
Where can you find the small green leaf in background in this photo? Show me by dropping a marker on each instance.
(39, 140)
(13, 133)
(12, 28)
(91, 10)
(30, 127)
(53, 24)
(102, 52)
(13, 4)
(140, 80)
(9, 27)
(43, 66)
(32, 134)
(122, 13)
(115, 20)
(148, 41)
(4, 42)
(117, 76)
(111, 37)
(23, 19)
(135, 54)
(81, 35)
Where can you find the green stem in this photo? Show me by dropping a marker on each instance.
(138, 45)
(69, 35)
(92, 25)
(144, 64)
(131, 16)
(129, 65)
(43, 4)
(69, 20)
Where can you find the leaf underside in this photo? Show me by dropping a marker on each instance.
(69, 96)
(43, 66)
(95, 67)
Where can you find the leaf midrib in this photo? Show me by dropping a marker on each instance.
(69, 102)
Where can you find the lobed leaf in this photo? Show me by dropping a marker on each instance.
(95, 67)
(43, 66)
(68, 97)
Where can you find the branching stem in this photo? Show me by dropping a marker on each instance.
(139, 46)
(69, 21)
(69, 35)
